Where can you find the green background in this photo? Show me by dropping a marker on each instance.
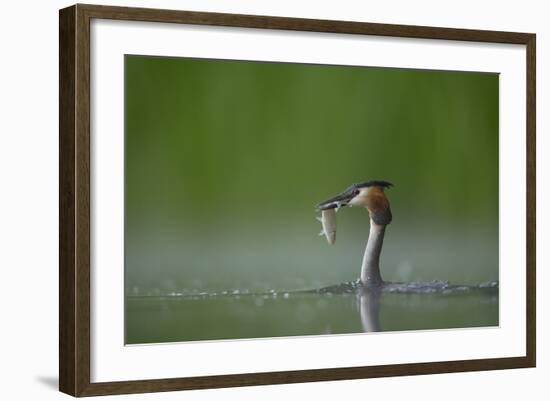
(226, 160)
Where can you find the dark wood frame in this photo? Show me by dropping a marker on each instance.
(74, 199)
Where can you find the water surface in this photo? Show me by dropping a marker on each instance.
(154, 319)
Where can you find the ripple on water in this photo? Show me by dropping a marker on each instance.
(414, 287)
(348, 288)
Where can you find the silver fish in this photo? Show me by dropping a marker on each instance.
(328, 220)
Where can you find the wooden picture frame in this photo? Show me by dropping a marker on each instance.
(74, 203)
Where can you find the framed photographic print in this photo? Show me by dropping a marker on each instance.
(202, 153)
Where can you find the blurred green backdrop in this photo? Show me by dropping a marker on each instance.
(226, 160)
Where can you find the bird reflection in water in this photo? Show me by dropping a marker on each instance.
(368, 300)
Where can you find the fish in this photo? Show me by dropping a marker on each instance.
(328, 221)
